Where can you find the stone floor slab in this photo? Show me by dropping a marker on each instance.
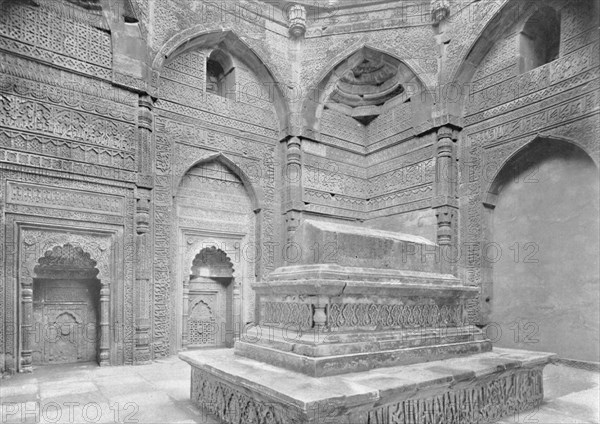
(571, 394)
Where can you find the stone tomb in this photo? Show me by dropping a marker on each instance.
(377, 335)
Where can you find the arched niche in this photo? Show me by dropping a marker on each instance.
(47, 253)
(539, 39)
(210, 301)
(218, 218)
(510, 18)
(220, 74)
(542, 249)
(230, 44)
(66, 307)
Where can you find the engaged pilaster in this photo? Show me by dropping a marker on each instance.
(143, 230)
(445, 202)
(293, 205)
(26, 323)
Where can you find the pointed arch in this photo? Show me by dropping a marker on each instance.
(494, 184)
(323, 84)
(199, 37)
(540, 232)
(482, 43)
(511, 15)
(254, 190)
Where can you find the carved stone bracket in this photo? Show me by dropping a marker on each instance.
(297, 20)
(440, 10)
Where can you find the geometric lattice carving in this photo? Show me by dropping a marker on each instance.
(283, 313)
(202, 326)
(396, 315)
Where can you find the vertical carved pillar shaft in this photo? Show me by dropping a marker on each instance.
(26, 323)
(143, 231)
(142, 279)
(293, 205)
(104, 354)
(237, 312)
(445, 201)
(185, 313)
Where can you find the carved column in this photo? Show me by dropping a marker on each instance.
(185, 313)
(26, 323)
(445, 202)
(104, 353)
(237, 312)
(143, 231)
(293, 205)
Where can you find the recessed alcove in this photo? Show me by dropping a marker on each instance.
(546, 258)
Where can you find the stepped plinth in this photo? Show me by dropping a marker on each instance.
(377, 335)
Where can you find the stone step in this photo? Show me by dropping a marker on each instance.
(478, 388)
(358, 361)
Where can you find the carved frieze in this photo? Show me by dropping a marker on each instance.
(563, 90)
(540, 120)
(22, 114)
(409, 176)
(286, 313)
(538, 79)
(486, 401)
(71, 94)
(397, 315)
(49, 37)
(232, 405)
(56, 197)
(45, 162)
(225, 121)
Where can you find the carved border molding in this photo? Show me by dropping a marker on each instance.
(108, 238)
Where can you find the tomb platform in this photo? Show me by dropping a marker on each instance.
(379, 335)
(326, 319)
(481, 388)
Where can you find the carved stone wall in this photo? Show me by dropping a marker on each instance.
(241, 132)
(505, 111)
(39, 223)
(214, 210)
(88, 145)
(487, 400)
(67, 164)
